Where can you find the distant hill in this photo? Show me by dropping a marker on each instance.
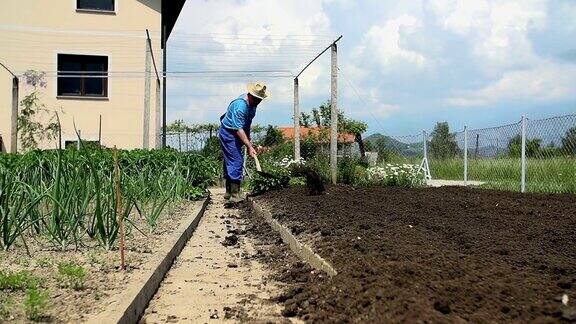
(408, 146)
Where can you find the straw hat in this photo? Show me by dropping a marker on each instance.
(258, 90)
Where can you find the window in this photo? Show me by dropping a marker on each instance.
(98, 5)
(82, 75)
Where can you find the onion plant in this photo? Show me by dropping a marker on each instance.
(65, 197)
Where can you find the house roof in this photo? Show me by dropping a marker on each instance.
(288, 133)
(170, 11)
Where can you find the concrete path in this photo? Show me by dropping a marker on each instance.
(442, 183)
(211, 282)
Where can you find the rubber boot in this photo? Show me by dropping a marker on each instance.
(228, 193)
(235, 194)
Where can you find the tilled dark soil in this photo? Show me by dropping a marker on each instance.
(432, 255)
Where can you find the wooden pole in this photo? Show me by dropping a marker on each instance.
(79, 143)
(59, 131)
(334, 114)
(100, 132)
(14, 117)
(147, 76)
(119, 216)
(296, 121)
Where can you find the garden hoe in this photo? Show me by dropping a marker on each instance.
(259, 169)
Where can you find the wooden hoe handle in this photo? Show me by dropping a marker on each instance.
(258, 167)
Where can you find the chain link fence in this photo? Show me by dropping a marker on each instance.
(204, 140)
(532, 155)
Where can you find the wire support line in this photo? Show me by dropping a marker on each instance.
(7, 69)
(176, 76)
(170, 72)
(353, 87)
(152, 55)
(317, 56)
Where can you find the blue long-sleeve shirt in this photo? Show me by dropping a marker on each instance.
(239, 115)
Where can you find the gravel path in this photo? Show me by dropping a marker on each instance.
(217, 276)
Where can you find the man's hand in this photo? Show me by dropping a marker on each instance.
(251, 151)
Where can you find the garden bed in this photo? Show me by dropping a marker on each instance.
(442, 254)
(79, 282)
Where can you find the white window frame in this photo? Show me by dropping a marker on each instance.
(113, 12)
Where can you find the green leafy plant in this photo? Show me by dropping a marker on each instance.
(31, 124)
(17, 280)
(6, 304)
(401, 175)
(64, 195)
(44, 262)
(71, 275)
(259, 184)
(348, 169)
(35, 304)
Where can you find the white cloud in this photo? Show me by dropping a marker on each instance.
(249, 35)
(498, 30)
(547, 82)
(384, 44)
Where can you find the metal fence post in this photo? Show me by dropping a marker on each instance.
(523, 158)
(425, 166)
(465, 155)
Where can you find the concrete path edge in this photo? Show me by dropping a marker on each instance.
(129, 306)
(303, 251)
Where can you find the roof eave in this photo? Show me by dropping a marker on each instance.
(170, 11)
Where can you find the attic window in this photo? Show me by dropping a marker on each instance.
(96, 5)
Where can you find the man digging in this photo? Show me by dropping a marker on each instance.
(234, 133)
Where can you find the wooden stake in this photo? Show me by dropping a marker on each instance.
(119, 216)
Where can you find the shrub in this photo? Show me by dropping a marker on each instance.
(35, 304)
(17, 280)
(349, 168)
(71, 275)
(5, 306)
(404, 175)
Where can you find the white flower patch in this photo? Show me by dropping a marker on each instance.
(406, 175)
(287, 162)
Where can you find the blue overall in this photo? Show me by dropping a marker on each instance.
(238, 116)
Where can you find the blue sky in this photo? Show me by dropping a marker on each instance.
(404, 64)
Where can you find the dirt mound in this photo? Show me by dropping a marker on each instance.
(440, 255)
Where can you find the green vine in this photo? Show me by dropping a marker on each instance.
(33, 113)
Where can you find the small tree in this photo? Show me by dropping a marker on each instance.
(305, 119)
(533, 146)
(30, 119)
(273, 136)
(443, 143)
(323, 118)
(177, 126)
(357, 128)
(569, 141)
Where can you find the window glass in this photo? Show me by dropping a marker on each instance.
(95, 84)
(82, 75)
(104, 5)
